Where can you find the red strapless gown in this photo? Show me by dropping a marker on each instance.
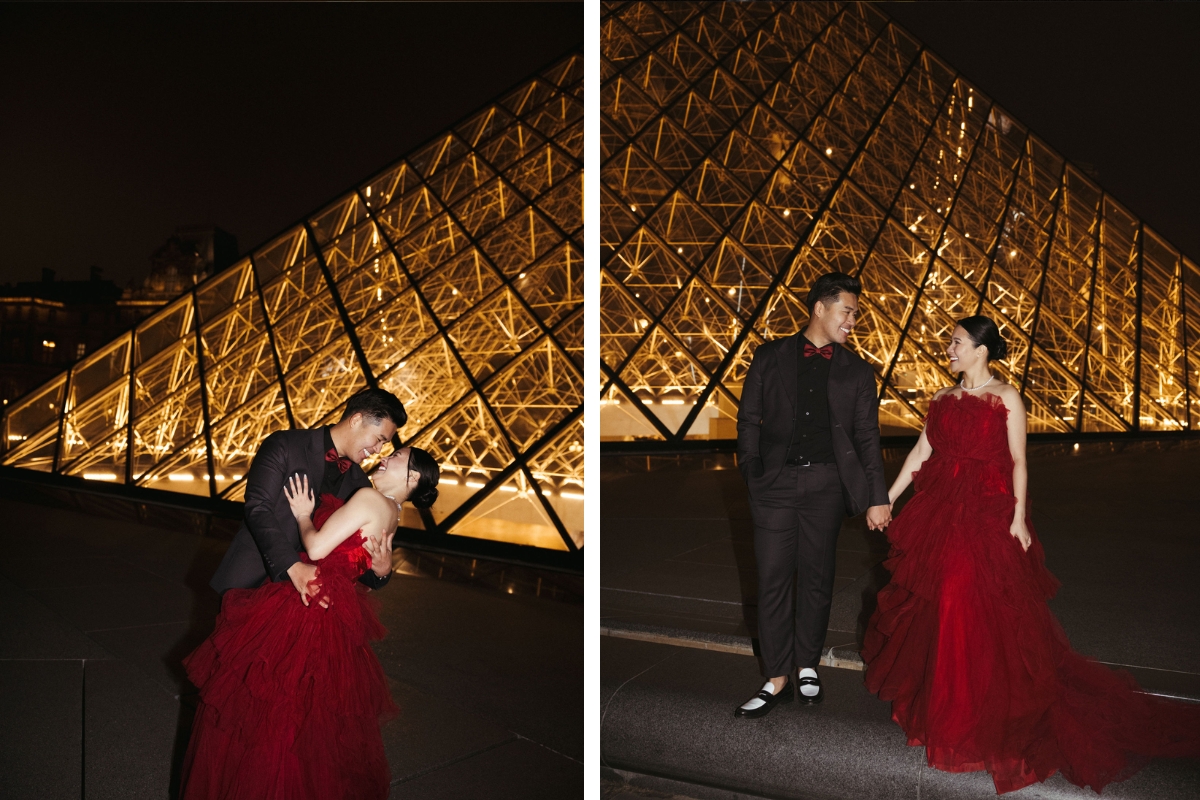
(291, 697)
(964, 646)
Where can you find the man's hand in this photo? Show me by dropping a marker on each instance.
(302, 576)
(878, 517)
(379, 548)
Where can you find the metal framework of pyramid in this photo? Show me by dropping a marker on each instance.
(749, 147)
(452, 279)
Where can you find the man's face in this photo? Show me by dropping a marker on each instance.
(837, 319)
(367, 436)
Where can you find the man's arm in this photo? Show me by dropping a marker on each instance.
(866, 439)
(749, 419)
(264, 487)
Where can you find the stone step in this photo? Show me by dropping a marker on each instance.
(667, 711)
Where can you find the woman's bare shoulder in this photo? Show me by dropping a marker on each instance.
(1009, 395)
(368, 496)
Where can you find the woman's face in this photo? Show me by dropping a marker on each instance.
(963, 352)
(392, 475)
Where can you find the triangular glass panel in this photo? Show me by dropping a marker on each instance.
(323, 382)
(622, 419)
(533, 393)
(511, 512)
(470, 448)
(704, 322)
(427, 382)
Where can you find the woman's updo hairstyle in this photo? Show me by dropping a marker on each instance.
(425, 493)
(984, 332)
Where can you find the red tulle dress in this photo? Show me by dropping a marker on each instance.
(963, 644)
(291, 697)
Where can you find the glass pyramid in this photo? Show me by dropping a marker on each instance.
(452, 279)
(749, 147)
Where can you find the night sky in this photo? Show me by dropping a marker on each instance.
(1112, 84)
(121, 122)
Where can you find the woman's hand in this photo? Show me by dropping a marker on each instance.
(300, 497)
(379, 548)
(1020, 532)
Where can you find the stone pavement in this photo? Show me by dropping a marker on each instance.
(95, 615)
(677, 600)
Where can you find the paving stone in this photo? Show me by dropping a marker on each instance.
(505, 771)
(41, 737)
(131, 732)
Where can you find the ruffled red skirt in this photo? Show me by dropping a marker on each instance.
(977, 668)
(291, 698)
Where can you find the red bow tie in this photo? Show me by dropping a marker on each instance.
(342, 462)
(826, 351)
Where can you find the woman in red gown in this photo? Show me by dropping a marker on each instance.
(962, 643)
(292, 696)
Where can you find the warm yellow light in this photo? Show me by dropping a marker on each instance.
(571, 495)
(99, 476)
(180, 476)
(828, 151)
(476, 484)
(633, 209)
(787, 212)
(679, 250)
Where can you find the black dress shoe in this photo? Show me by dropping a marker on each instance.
(816, 698)
(769, 701)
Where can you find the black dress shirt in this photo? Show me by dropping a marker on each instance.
(331, 479)
(811, 438)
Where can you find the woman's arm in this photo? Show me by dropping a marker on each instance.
(1016, 447)
(366, 510)
(916, 457)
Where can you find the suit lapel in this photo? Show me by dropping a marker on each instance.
(789, 365)
(837, 371)
(315, 459)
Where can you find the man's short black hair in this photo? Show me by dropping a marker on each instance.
(826, 289)
(376, 404)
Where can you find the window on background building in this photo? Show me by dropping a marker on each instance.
(48, 350)
(80, 350)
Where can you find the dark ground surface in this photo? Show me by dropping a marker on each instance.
(1118, 525)
(95, 615)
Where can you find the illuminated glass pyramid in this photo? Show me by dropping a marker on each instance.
(451, 279)
(749, 147)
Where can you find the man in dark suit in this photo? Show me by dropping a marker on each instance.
(808, 448)
(268, 543)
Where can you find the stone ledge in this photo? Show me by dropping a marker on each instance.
(838, 656)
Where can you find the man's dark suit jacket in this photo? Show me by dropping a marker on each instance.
(767, 414)
(268, 543)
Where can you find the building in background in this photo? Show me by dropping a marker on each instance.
(452, 278)
(749, 147)
(48, 324)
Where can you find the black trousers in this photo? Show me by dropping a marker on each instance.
(796, 524)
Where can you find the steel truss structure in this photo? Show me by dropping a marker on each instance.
(452, 279)
(749, 147)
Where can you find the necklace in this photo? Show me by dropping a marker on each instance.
(977, 388)
(399, 506)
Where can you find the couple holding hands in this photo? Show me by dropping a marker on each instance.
(962, 643)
